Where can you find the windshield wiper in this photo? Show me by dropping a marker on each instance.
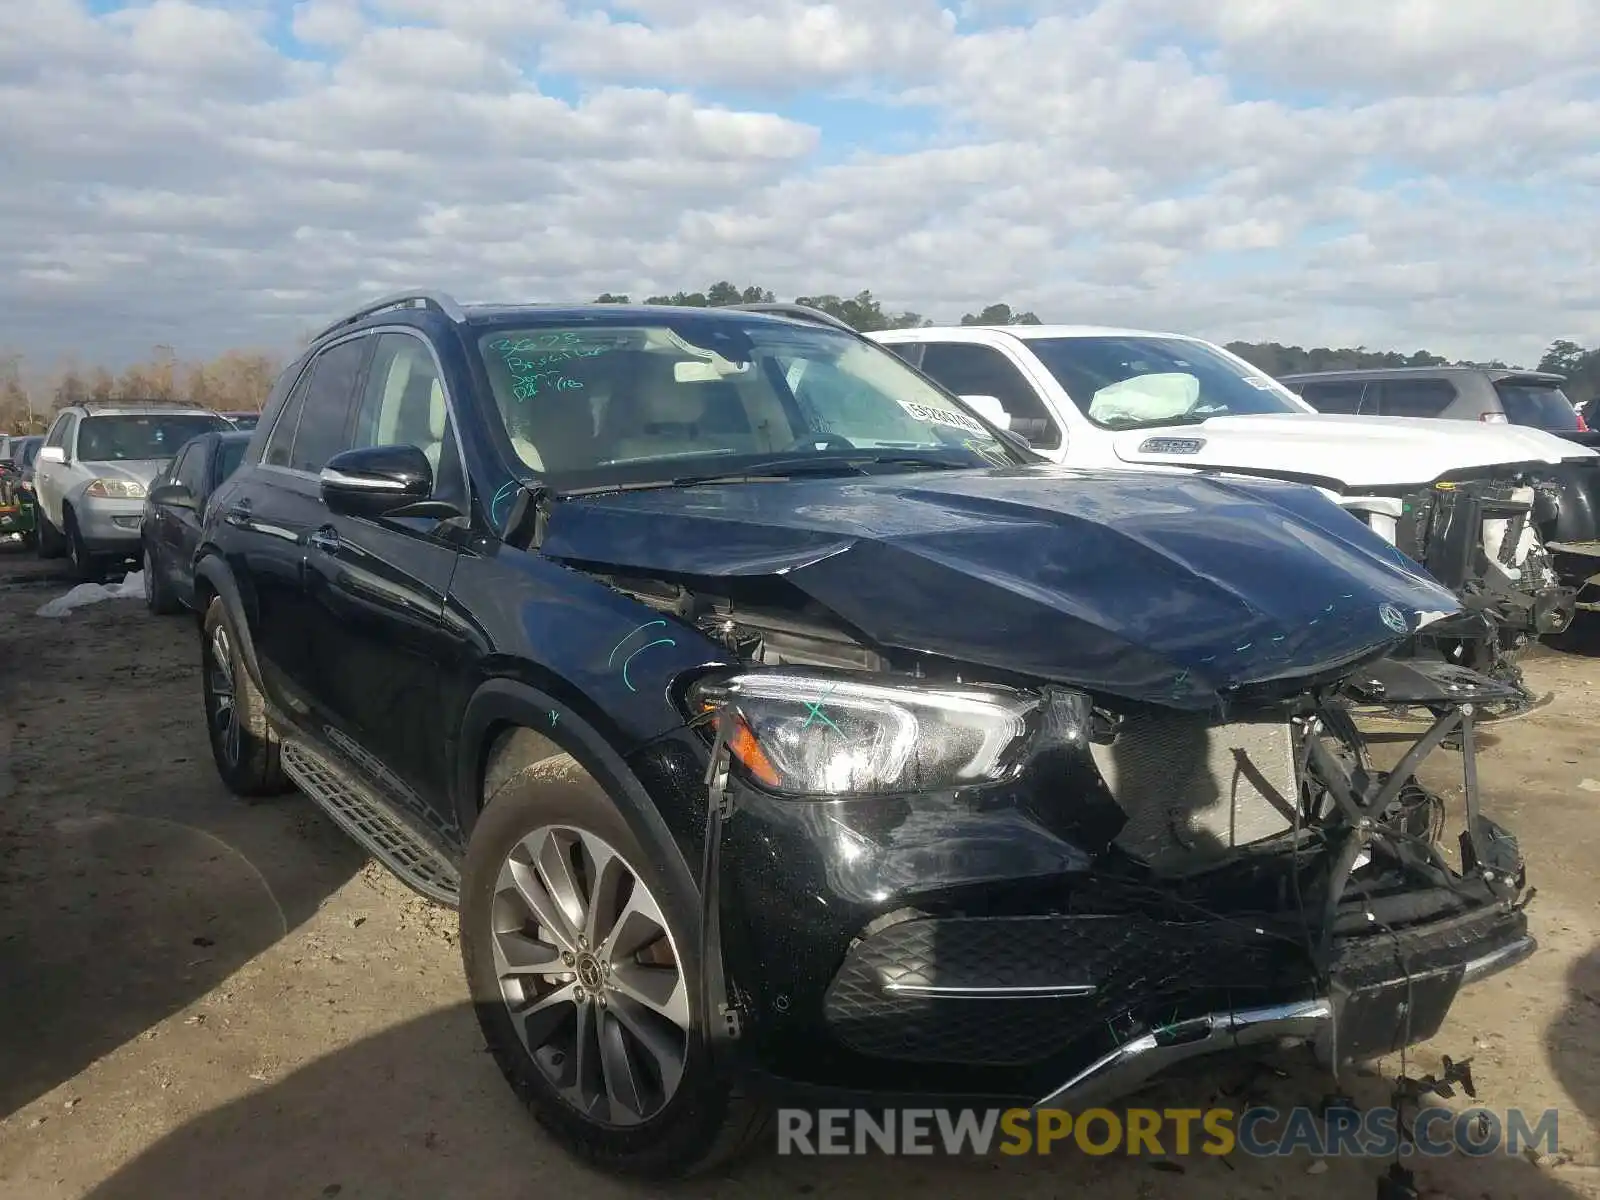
(778, 470)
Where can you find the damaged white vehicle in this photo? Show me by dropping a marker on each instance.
(1459, 498)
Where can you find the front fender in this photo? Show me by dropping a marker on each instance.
(501, 705)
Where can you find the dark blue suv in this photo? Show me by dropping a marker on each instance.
(779, 727)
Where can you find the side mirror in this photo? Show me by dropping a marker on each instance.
(376, 481)
(173, 495)
(990, 409)
(55, 454)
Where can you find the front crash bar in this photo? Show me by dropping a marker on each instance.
(1484, 847)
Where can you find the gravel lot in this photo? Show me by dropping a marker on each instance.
(200, 998)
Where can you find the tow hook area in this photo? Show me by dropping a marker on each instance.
(1554, 610)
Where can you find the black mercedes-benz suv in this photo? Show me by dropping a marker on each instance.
(780, 727)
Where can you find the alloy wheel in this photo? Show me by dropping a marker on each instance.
(224, 705)
(591, 975)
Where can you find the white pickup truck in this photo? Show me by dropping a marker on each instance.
(1457, 497)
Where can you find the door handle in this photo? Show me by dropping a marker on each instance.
(325, 539)
(238, 514)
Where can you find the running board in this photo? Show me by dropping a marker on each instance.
(381, 829)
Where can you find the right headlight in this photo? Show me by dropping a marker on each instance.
(827, 735)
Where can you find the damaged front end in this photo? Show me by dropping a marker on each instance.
(932, 886)
(1024, 791)
(1481, 538)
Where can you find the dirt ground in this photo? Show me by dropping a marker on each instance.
(200, 998)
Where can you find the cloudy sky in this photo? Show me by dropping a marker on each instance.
(1394, 173)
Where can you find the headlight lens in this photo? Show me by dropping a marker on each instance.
(115, 489)
(818, 734)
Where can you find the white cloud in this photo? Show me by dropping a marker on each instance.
(1414, 172)
(328, 22)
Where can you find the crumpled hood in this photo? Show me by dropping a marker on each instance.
(1168, 587)
(135, 470)
(1358, 452)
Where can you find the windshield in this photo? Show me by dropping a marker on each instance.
(1130, 382)
(600, 402)
(127, 438)
(1542, 405)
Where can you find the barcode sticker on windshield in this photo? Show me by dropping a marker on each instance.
(942, 416)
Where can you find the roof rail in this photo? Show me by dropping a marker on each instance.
(138, 402)
(797, 312)
(438, 301)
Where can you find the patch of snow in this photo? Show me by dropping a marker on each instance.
(130, 588)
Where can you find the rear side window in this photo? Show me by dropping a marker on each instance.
(325, 416)
(1414, 397)
(1342, 398)
(314, 424)
(1540, 405)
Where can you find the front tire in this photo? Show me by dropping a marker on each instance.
(582, 958)
(85, 565)
(244, 745)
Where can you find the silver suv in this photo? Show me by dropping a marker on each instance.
(1496, 395)
(93, 469)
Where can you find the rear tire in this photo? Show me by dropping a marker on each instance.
(665, 1131)
(158, 597)
(244, 745)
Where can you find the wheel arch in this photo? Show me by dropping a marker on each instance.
(213, 580)
(510, 722)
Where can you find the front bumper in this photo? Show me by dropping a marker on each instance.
(1318, 1022)
(1087, 1007)
(109, 526)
